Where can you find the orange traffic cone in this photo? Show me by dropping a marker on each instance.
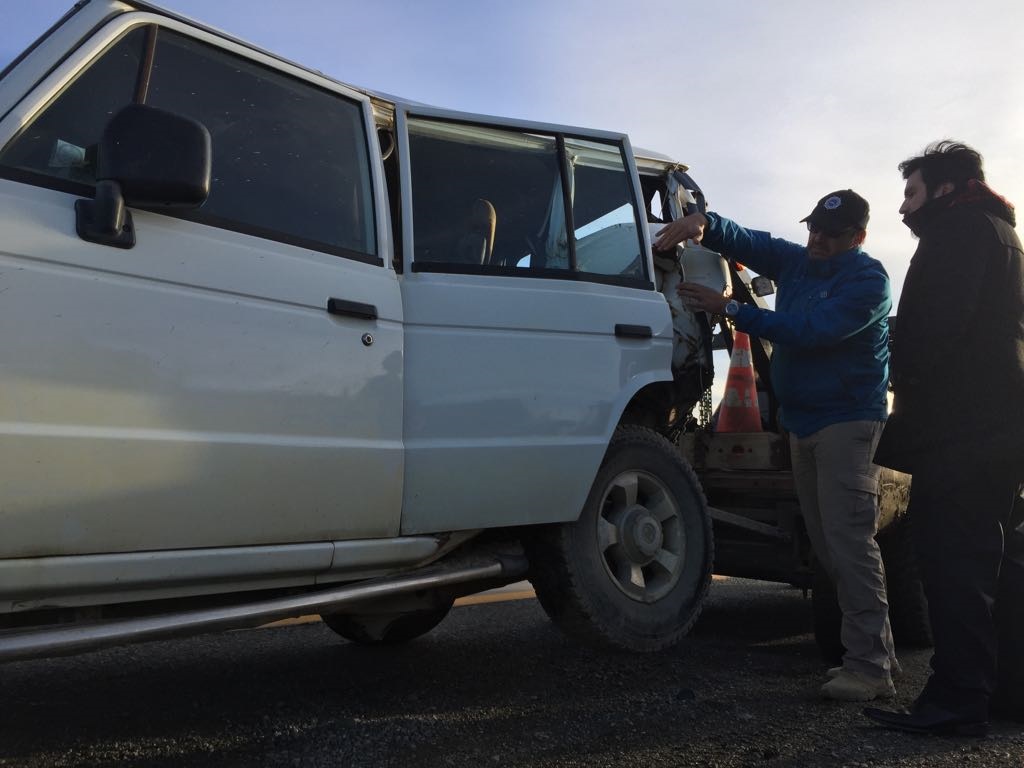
(740, 411)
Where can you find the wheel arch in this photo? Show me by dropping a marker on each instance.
(578, 587)
(647, 403)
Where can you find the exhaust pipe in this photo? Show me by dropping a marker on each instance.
(64, 641)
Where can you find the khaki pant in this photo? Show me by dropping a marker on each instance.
(837, 485)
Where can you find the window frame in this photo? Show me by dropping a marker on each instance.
(559, 133)
(107, 35)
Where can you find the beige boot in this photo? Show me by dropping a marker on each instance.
(895, 670)
(852, 686)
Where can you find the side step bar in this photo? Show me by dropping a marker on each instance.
(729, 518)
(17, 645)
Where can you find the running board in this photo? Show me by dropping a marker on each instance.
(18, 645)
(730, 518)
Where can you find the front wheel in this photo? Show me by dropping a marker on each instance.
(632, 572)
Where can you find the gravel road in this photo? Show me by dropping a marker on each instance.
(495, 684)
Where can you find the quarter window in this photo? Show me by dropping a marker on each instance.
(603, 213)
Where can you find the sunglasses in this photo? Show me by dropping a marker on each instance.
(814, 229)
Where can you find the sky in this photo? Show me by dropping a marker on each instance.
(772, 103)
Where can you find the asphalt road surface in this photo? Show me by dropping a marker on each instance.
(495, 685)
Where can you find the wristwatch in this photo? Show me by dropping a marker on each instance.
(732, 308)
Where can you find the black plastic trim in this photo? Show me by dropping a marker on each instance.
(105, 220)
(626, 331)
(351, 309)
(570, 223)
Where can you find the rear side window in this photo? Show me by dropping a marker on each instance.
(500, 201)
(290, 160)
(483, 197)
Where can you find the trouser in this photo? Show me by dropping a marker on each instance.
(837, 484)
(968, 525)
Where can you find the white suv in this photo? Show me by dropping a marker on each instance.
(270, 344)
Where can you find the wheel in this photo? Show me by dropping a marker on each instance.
(632, 572)
(387, 628)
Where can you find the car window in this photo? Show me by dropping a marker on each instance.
(59, 143)
(484, 197)
(603, 211)
(494, 200)
(290, 160)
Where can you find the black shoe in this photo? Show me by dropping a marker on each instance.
(1007, 708)
(928, 718)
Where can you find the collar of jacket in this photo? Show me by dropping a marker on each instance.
(830, 266)
(976, 195)
(923, 217)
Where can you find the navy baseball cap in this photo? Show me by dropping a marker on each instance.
(840, 210)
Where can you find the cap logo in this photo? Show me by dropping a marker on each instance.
(833, 202)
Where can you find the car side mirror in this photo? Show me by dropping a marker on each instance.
(762, 286)
(148, 158)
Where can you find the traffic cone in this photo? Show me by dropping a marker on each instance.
(740, 411)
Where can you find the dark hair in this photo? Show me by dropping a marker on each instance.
(945, 161)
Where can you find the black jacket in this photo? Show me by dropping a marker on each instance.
(958, 340)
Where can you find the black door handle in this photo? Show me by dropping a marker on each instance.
(633, 331)
(352, 309)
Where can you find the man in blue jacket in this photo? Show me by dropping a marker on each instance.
(829, 369)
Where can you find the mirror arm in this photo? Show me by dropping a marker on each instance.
(105, 220)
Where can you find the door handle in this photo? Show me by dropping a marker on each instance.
(351, 309)
(625, 331)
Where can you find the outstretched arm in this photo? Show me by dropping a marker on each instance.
(858, 304)
(763, 253)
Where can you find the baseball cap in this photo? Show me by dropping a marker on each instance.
(840, 210)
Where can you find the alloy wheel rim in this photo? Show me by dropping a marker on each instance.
(641, 537)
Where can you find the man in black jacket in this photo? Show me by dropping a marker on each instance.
(958, 427)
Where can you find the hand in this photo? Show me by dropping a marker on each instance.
(703, 299)
(687, 228)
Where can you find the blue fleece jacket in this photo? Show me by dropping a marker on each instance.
(830, 361)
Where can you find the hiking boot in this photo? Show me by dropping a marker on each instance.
(1006, 706)
(852, 686)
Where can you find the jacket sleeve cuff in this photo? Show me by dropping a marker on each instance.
(746, 316)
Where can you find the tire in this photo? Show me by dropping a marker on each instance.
(387, 628)
(632, 572)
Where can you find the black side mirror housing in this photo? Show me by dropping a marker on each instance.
(762, 286)
(148, 158)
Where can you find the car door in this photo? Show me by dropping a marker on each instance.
(194, 391)
(531, 315)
